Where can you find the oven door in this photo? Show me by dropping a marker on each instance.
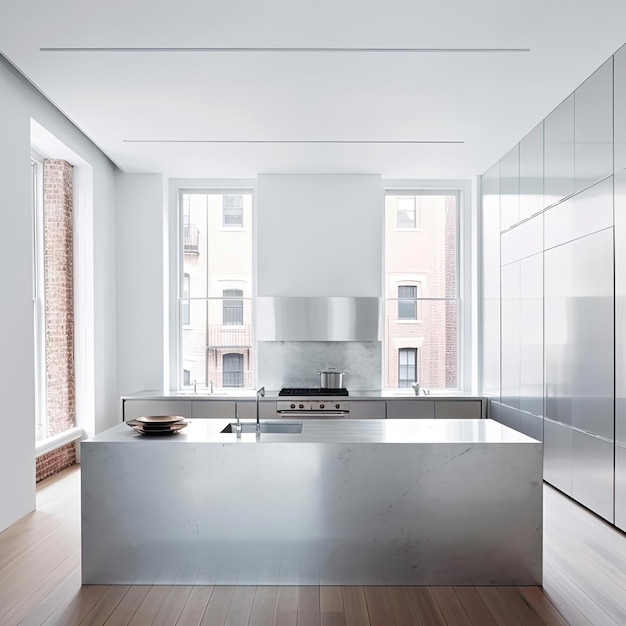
(295, 414)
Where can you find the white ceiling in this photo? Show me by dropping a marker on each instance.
(487, 100)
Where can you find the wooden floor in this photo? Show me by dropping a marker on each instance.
(584, 583)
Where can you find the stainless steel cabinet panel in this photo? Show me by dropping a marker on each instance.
(523, 240)
(458, 409)
(592, 473)
(620, 307)
(137, 408)
(594, 127)
(531, 173)
(585, 213)
(509, 188)
(505, 415)
(410, 409)
(559, 152)
(246, 409)
(531, 425)
(511, 334)
(557, 455)
(619, 91)
(369, 409)
(620, 487)
(490, 280)
(579, 335)
(531, 334)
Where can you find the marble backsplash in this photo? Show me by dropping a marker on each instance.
(297, 363)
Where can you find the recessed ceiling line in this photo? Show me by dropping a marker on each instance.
(333, 141)
(274, 49)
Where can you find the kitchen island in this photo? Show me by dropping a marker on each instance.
(351, 502)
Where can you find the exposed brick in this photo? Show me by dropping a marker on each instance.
(53, 462)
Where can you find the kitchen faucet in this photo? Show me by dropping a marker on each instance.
(259, 393)
(194, 386)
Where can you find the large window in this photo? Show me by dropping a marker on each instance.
(215, 312)
(421, 288)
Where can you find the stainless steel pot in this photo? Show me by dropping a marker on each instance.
(331, 379)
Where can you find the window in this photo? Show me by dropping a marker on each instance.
(184, 310)
(233, 210)
(406, 213)
(233, 309)
(421, 285)
(232, 370)
(407, 367)
(407, 302)
(186, 378)
(215, 271)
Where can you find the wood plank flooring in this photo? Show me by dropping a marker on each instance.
(584, 583)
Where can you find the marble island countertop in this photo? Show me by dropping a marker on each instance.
(422, 431)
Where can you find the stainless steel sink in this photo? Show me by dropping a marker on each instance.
(266, 427)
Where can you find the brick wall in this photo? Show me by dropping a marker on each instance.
(59, 295)
(55, 461)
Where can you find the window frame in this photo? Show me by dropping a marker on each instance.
(225, 225)
(173, 354)
(232, 298)
(240, 372)
(466, 264)
(407, 351)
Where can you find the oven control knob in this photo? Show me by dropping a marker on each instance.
(301, 406)
(293, 406)
(321, 406)
(337, 406)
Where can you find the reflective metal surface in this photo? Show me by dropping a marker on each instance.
(489, 281)
(523, 240)
(511, 334)
(531, 173)
(592, 473)
(619, 89)
(318, 319)
(557, 455)
(462, 508)
(579, 333)
(620, 486)
(509, 189)
(265, 427)
(585, 213)
(620, 310)
(594, 127)
(559, 152)
(531, 334)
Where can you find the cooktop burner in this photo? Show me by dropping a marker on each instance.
(307, 391)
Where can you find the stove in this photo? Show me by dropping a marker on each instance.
(307, 391)
(301, 403)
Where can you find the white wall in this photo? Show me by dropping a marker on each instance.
(19, 102)
(140, 280)
(319, 235)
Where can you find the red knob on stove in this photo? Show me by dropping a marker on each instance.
(301, 406)
(293, 406)
(321, 406)
(337, 406)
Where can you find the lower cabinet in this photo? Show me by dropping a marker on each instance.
(458, 409)
(213, 408)
(246, 409)
(363, 410)
(410, 409)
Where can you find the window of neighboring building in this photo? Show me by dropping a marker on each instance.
(232, 370)
(184, 311)
(407, 212)
(407, 367)
(216, 264)
(233, 307)
(407, 302)
(421, 285)
(233, 210)
(186, 378)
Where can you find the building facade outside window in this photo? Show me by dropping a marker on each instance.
(421, 334)
(407, 367)
(215, 301)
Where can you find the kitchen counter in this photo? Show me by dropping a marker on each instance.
(398, 502)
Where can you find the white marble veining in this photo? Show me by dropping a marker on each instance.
(297, 363)
(347, 502)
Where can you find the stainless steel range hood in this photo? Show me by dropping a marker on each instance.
(318, 319)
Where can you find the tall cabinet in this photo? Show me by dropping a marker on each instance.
(561, 238)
